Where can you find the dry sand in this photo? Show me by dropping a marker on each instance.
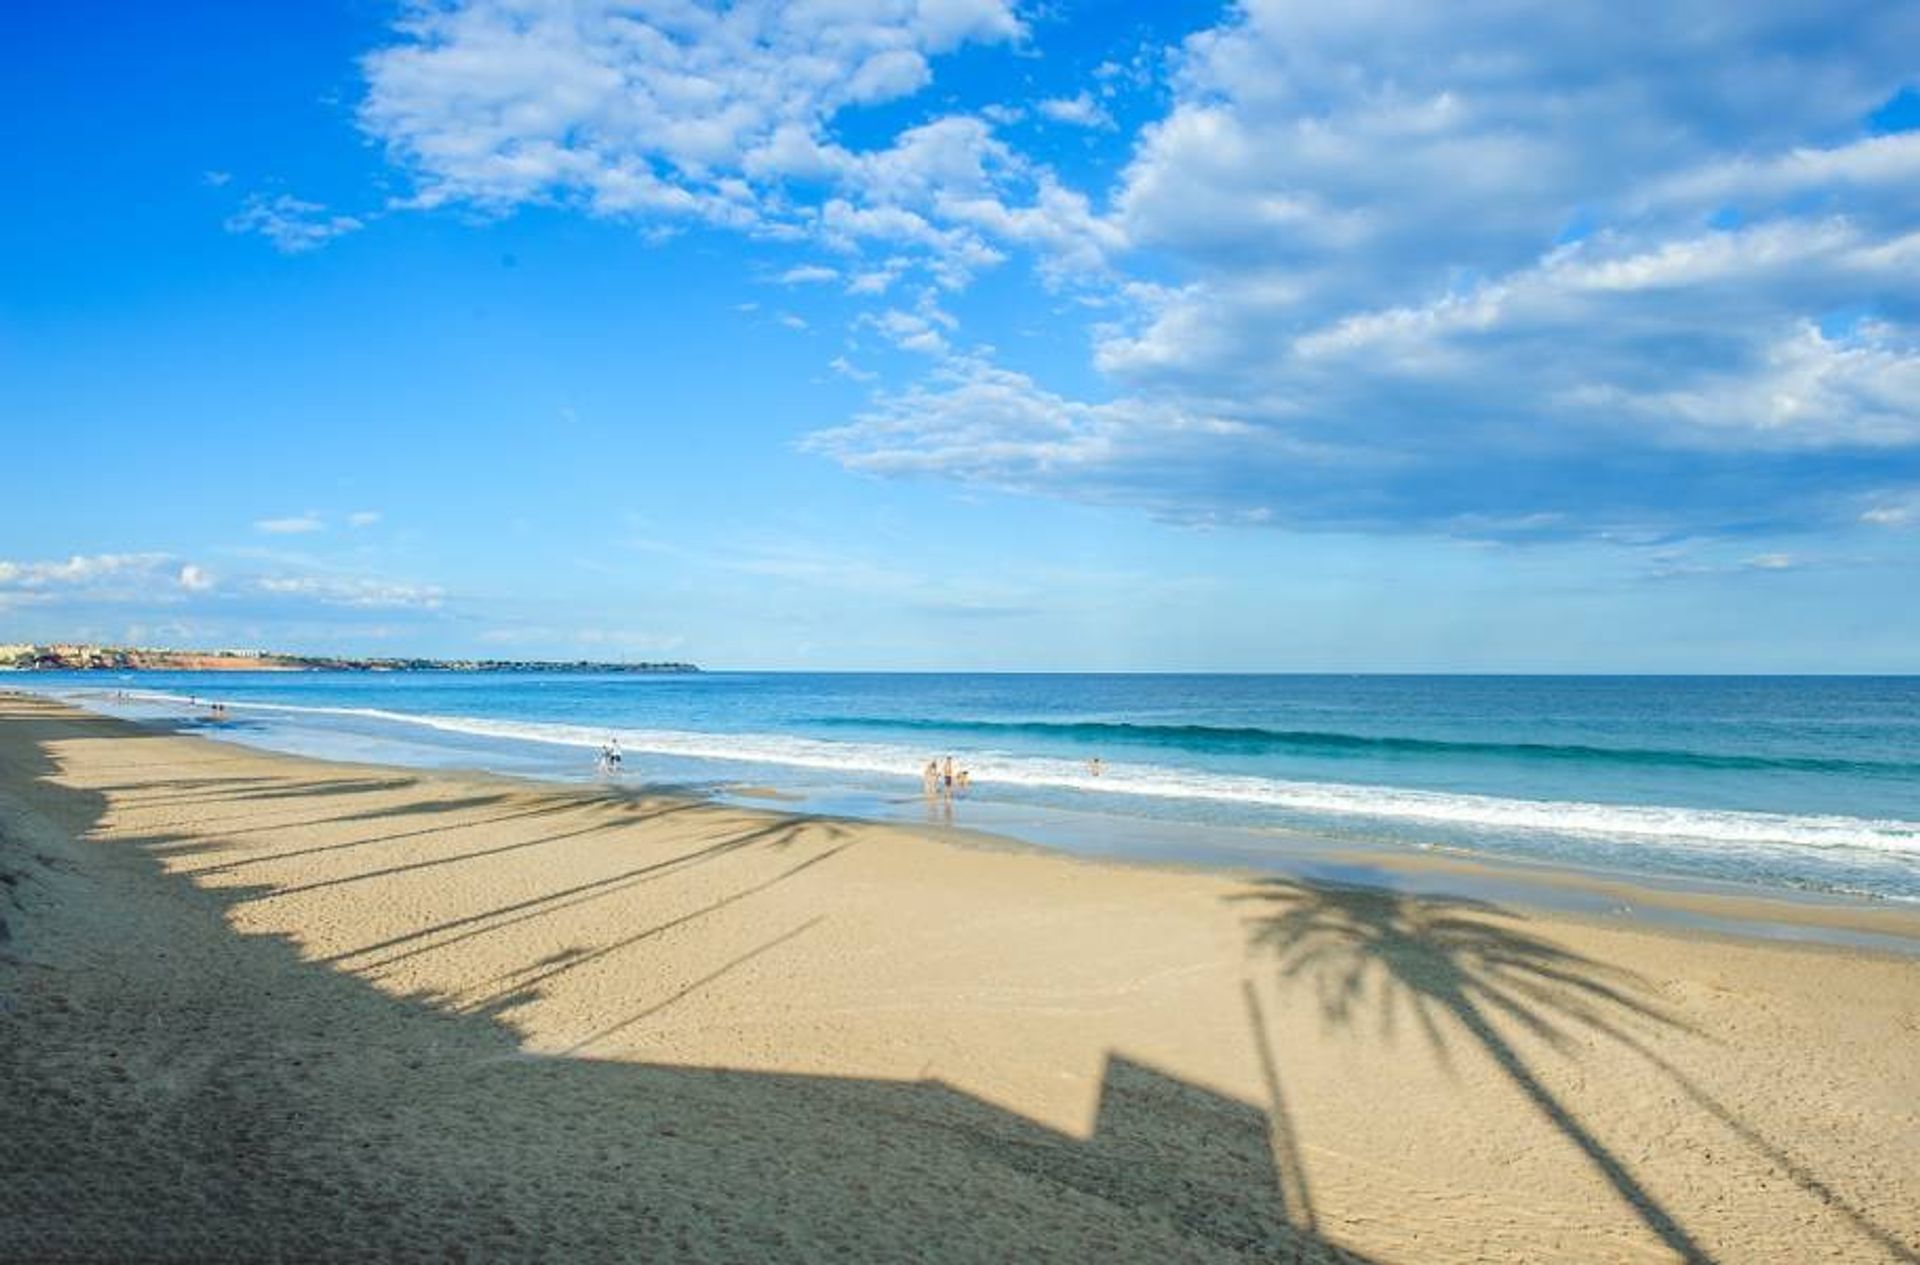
(258, 1007)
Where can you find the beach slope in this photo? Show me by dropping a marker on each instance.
(260, 1007)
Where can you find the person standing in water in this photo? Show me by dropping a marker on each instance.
(930, 778)
(946, 776)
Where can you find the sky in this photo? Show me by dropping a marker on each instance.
(968, 334)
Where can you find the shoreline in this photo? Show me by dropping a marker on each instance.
(1558, 888)
(266, 1005)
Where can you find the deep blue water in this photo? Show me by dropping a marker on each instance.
(1810, 782)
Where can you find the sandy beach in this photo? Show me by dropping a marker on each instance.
(259, 1007)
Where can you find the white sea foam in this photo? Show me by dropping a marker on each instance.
(1712, 827)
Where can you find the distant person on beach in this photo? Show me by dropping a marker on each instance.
(930, 778)
(1096, 766)
(946, 775)
(963, 782)
(613, 754)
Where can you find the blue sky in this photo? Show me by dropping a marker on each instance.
(968, 333)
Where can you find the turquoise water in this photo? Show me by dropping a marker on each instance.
(1803, 783)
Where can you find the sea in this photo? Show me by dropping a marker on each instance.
(1784, 784)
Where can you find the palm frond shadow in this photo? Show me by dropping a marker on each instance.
(258, 1131)
(1461, 965)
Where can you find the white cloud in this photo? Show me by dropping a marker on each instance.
(1076, 111)
(1541, 269)
(1806, 391)
(847, 369)
(984, 424)
(363, 518)
(807, 274)
(877, 281)
(1867, 165)
(331, 590)
(291, 224)
(1893, 509)
(103, 577)
(499, 102)
(156, 581)
(1489, 265)
(979, 423)
(292, 525)
(78, 570)
(721, 114)
(922, 330)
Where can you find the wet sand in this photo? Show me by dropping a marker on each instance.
(257, 1006)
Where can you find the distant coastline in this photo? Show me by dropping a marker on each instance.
(80, 658)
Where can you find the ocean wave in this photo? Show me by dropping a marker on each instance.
(1254, 740)
(1725, 828)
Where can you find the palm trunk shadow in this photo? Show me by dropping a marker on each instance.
(1290, 1170)
(1776, 1155)
(1448, 960)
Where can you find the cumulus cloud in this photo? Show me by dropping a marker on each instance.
(496, 100)
(707, 113)
(61, 588)
(499, 102)
(1494, 271)
(78, 569)
(1490, 270)
(976, 422)
(1076, 111)
(292, 224)
(101, 577)
(363, 518)
(924, 330)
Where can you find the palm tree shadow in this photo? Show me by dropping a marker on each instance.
(345, 1119)
(1456, 964)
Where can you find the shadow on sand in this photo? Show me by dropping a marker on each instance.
(1459, 966)
(170, 1089)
